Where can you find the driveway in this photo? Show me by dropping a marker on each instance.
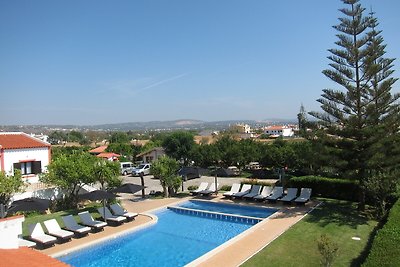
(152, 183)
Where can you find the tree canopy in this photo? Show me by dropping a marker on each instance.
(357, 119)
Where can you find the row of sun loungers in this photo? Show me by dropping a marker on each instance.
(72, 229)
(268, 193)
(257, 192)
(205, 190)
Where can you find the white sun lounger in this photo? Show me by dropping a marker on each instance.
(244, 191)
(265, 192)
(305, 195)
(37, 234)
(212, 189)
(234, 189)
(87, 220)
(202, 186)
(255, 190)
(25, 243)
(107, 215)
(54, 229)
(277, 192)
(119, 211)
(72, 225)
(290, 195)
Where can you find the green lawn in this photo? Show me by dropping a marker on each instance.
(35, 218)
(298, 246)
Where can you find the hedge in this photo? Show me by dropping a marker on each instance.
(385, 250)
(327, 187)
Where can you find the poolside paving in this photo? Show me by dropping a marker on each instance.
(232, 253)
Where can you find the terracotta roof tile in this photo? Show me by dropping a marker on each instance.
(20, 140)
(25, 256)
(99, 149)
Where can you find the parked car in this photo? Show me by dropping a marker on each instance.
(235, 170)
(191, 172)
(142, 168)
(127, 167)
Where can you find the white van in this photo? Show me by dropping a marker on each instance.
(127, 167)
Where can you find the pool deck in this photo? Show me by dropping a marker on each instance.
(232, 253)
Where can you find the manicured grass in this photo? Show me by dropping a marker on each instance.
(339, 220)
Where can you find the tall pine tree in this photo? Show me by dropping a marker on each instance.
(362, 116)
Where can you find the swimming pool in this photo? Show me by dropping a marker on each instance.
(176, 240)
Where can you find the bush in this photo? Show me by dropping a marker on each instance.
(385, 250)
(256, 182)
(327, 187)
(192, 187)
(225, 188)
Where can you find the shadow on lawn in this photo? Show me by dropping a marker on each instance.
(339, 212)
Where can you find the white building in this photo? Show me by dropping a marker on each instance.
(20, 151)
(281, 130)
(151, 155)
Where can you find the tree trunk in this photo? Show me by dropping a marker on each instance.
(361, 198)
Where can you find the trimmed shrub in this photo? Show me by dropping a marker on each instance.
(256, 182)
(192, 187)
(327, 187)
(225, 188)
(385, 250)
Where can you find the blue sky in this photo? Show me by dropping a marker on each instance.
(95, 61)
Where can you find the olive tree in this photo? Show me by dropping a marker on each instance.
(166, 169)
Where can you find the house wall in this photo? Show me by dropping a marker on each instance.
(152, 155)
(287, 132)
(11, 156)
(10, 228)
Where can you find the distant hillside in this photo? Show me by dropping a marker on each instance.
(187, 124)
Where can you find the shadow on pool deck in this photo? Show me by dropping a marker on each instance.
(231, 253)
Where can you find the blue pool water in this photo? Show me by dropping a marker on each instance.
(258, 212)
(175, 240)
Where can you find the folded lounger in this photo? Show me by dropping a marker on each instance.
(305, 195)
(265, 192)
(255, 190)
(244, 191)
(211, 190)
(87, 220)
(234, 189)
(106, 214)
(72, 225)
(291, 194)
(119, 211)
(202, 186)
(37, 234)
(54, 229)
(277, 192)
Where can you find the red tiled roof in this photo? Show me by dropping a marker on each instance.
(20, 140)
(107, 155)
(99, 149)
(25, 256)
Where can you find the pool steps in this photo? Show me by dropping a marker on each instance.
(216, 215)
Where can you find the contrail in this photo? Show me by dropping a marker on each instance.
(160, 82)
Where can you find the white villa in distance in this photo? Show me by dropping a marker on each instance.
(279, 130)
(23, 152)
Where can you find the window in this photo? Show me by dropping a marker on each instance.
(29, 167)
